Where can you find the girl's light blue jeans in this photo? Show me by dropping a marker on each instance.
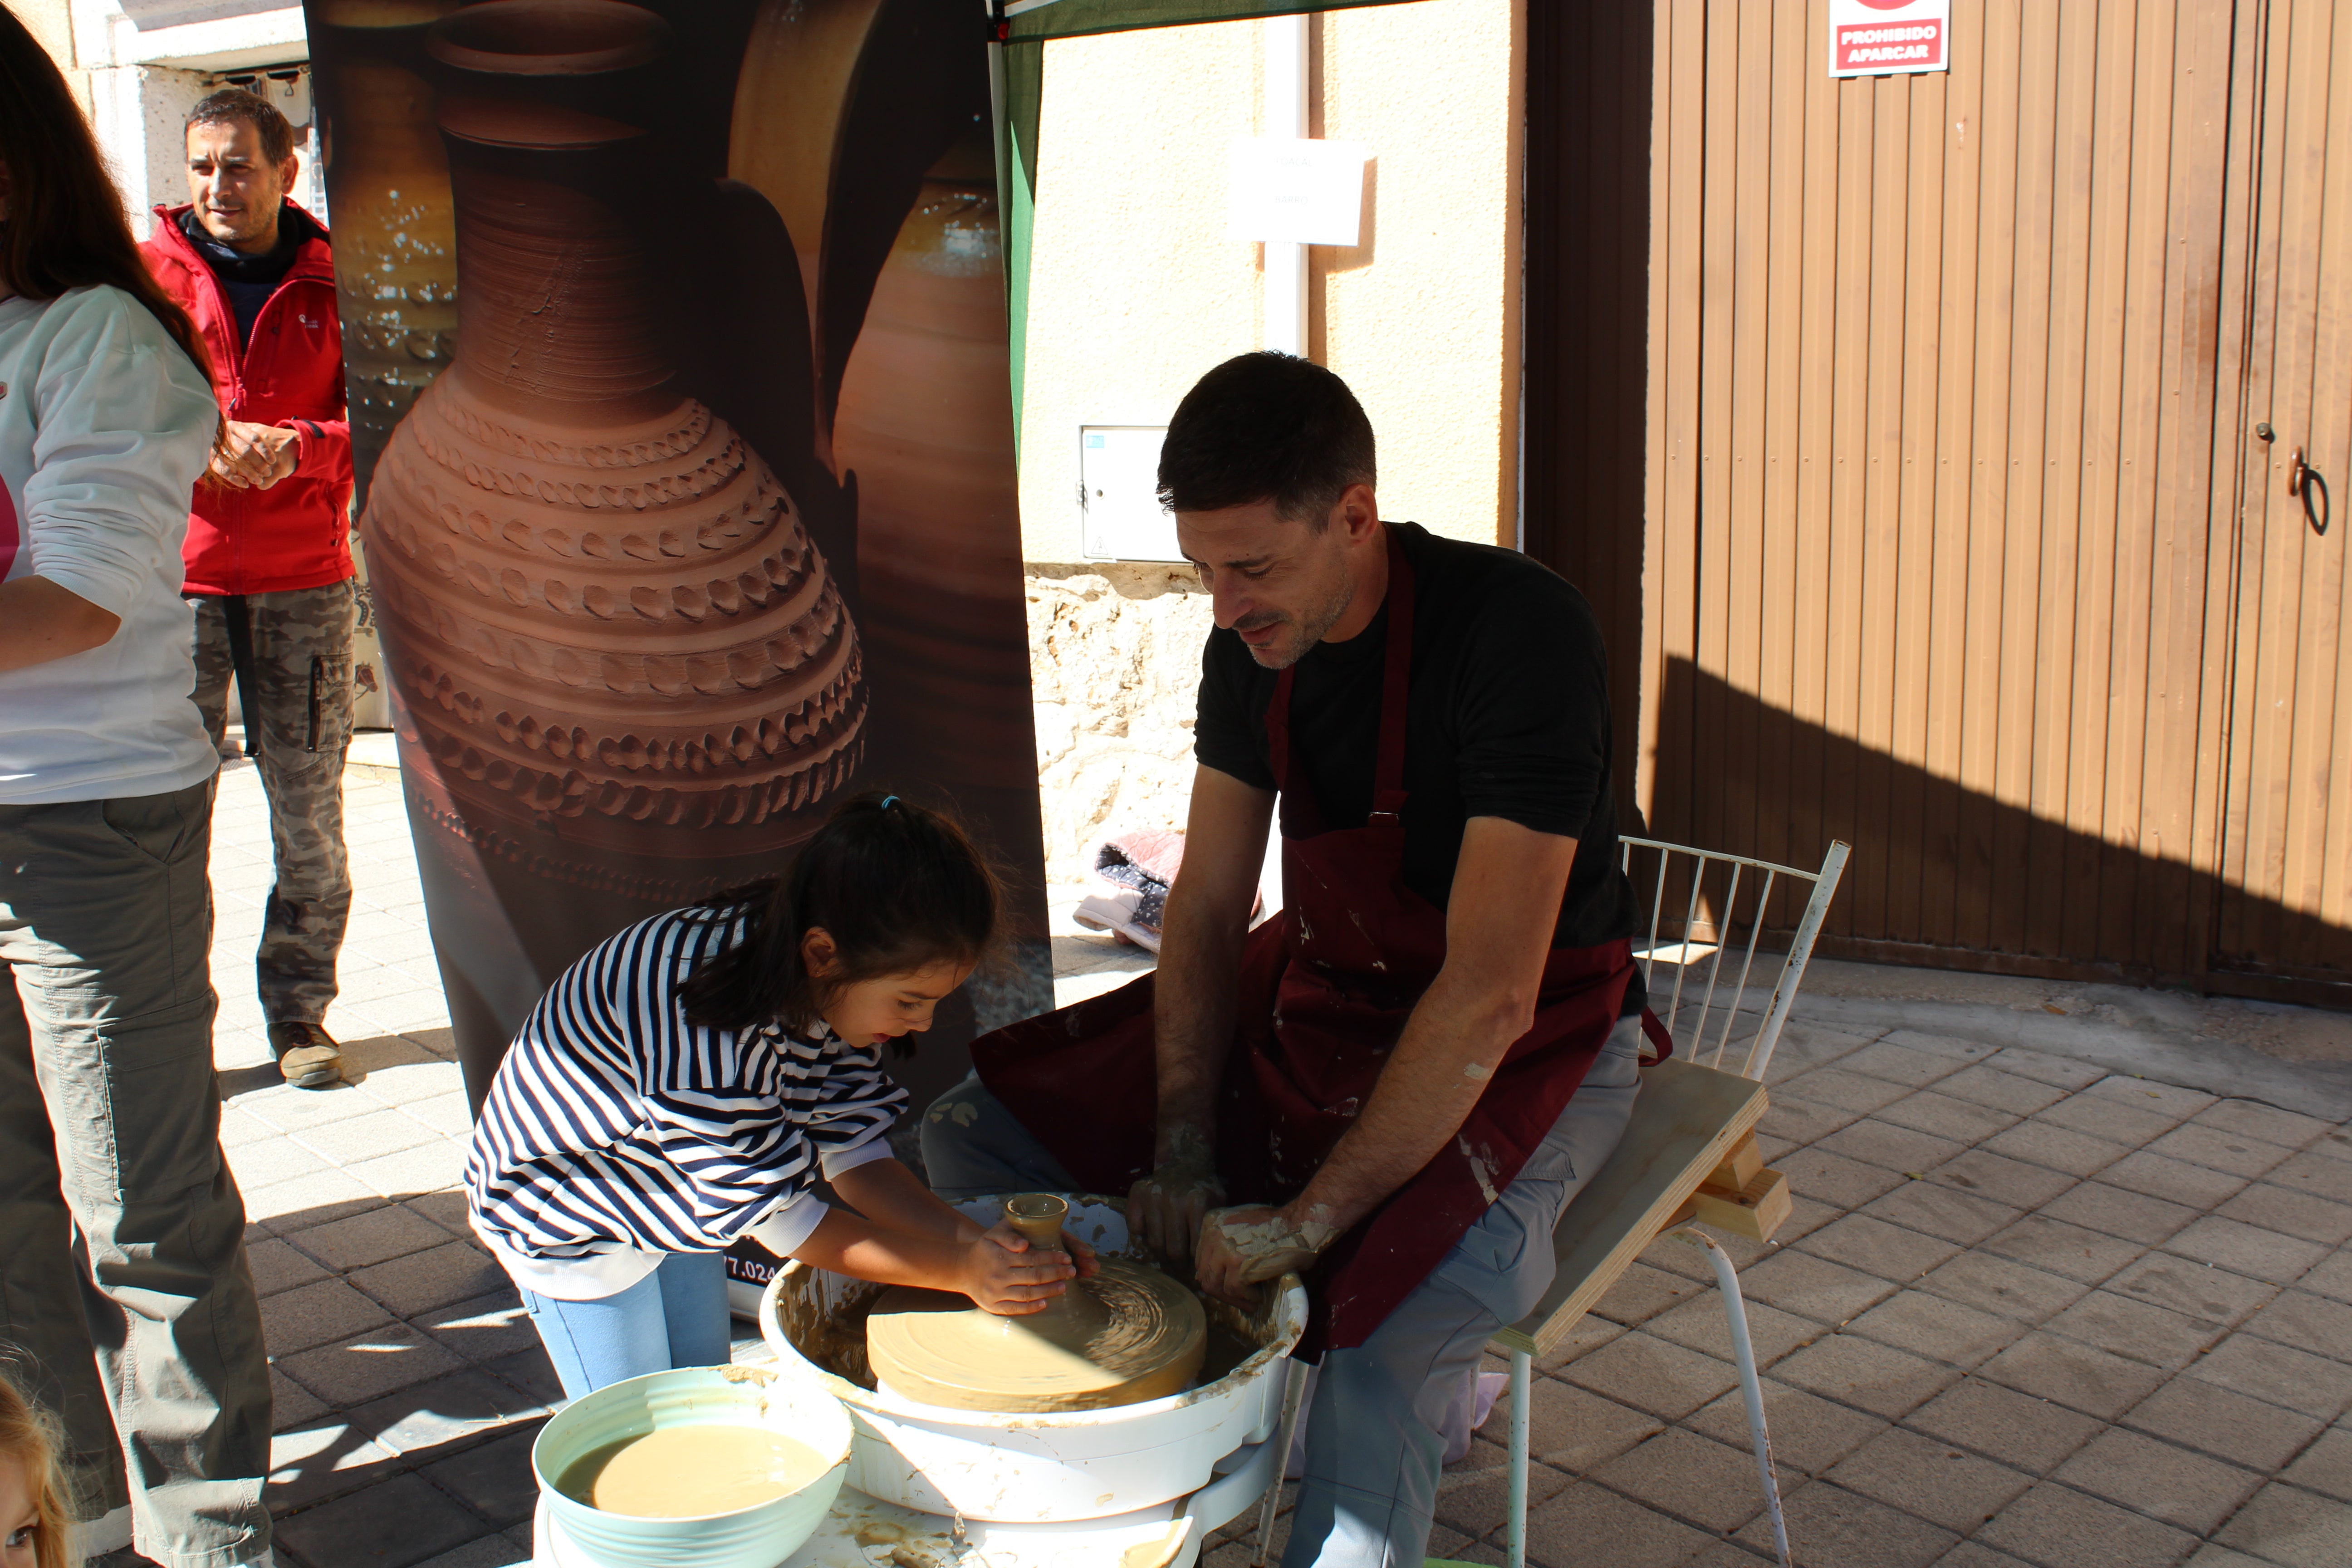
(676, 1316)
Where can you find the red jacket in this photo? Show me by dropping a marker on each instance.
(296, 533)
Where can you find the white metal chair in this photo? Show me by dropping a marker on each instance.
(1689, 1152)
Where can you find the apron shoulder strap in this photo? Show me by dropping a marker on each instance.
(1656, 1031)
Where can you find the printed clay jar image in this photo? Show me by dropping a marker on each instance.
(396, 252)
(624, 665)
(939, 532)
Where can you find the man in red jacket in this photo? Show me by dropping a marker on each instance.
(268, 550)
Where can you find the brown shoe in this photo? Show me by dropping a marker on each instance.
(307, 1054)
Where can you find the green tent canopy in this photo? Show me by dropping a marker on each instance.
(1019, 78)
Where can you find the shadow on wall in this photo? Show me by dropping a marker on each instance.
(1949, 878)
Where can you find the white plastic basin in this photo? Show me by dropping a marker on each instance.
(1031, 1467)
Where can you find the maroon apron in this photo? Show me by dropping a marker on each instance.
(1324, 991)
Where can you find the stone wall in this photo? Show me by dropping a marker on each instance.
(1114, 662)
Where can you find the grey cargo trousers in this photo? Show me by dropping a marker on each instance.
(121, 1231)
(1375, 1442)
(302, 674)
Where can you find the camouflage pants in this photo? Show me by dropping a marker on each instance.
(302, 686)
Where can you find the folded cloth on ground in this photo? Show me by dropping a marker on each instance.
(1128, 894)
(1114, 910)
(1133, 871)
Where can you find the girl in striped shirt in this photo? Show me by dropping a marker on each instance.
(686, 1082)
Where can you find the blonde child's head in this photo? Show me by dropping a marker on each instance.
(33, 1519)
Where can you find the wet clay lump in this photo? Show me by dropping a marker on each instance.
(1128, 1334)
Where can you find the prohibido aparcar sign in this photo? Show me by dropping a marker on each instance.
(1881, 37)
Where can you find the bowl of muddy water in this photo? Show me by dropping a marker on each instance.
(716, 1466)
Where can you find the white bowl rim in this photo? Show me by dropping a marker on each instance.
(899, 1407)
(558, 1499)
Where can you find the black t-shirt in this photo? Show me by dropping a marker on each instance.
(1508, 716)
(249, 281)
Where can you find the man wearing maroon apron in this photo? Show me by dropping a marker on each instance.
(1394, 1087)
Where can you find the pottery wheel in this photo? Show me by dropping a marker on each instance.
(1137, 1335)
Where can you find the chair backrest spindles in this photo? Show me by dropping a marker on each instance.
(1724, 925)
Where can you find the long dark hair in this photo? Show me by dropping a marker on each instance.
(66, 227)
(897, 887)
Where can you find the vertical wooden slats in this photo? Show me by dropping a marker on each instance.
(1989, 390)
(1808, 805)
(2329, 769)
(2306, 638)
(1874, 524)
(1673, 564)
(1779, 378)
(1920, 351)
(1945, 551)
(2107, 334)
(2059, 482)
(1751, 324)
(2184, 756)
(1962, 130)
(2127, 290)
(2283, 839)
(1710, 527)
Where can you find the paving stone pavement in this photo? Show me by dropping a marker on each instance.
(2027, 1311)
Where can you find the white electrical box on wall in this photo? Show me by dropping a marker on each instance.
(1118, 494)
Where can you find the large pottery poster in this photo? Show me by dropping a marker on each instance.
(675, 335)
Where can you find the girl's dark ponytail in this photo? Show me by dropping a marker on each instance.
(897, 888)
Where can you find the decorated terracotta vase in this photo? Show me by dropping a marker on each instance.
(625, 676)
(395, 249)
(923, 426)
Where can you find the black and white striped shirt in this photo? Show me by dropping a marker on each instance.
(617, 1130)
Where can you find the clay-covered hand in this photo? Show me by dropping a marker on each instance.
(254, 457)
(1082, 1254)
(1242, 1248)
(1004, 1274)
(1165, 1209)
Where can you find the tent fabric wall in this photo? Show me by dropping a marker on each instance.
(1020, 77)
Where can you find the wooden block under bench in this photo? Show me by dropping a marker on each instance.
(1755, 1211)
(1740, 1167)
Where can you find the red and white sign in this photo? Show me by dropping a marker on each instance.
(1882, 38)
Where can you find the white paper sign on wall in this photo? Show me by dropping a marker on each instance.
(1118, 485)
(1304, 192)
(1884, 37)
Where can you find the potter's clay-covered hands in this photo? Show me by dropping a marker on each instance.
(1002, 1274)
(1244, 1247)
(1165, 1209)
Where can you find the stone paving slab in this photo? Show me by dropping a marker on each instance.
(2106, 1323)
(2029, 1310)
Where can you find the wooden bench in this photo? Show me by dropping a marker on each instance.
(1689, 1152)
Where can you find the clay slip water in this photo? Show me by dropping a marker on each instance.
(691, 1472)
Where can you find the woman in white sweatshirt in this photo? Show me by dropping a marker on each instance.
(109, 1116)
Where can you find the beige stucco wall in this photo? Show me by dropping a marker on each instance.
(1135, 290)
(51, 24)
